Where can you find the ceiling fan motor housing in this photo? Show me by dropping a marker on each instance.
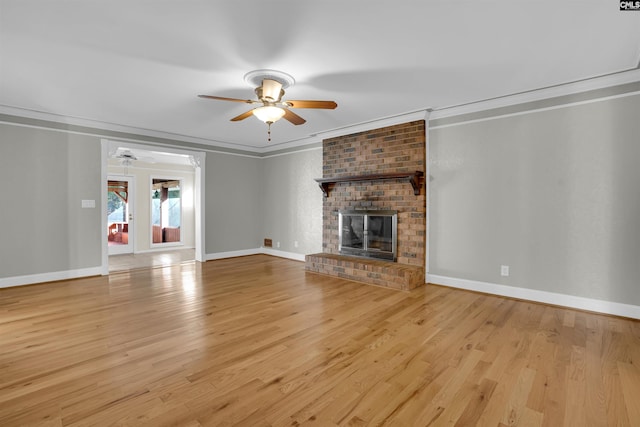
(270, 92)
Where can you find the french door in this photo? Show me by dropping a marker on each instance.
(120, 214)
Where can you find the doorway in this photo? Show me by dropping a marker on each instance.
(154, 157)
(120, 214)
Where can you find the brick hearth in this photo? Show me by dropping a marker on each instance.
(375, 272)
(399, 148)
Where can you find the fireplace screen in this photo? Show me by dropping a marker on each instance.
(368, 233)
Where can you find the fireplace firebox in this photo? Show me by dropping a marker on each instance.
(368, 233)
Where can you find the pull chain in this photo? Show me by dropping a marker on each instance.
(269, 130)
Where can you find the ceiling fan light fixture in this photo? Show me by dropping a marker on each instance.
(269, 113)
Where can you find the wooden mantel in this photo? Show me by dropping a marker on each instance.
(413, 177)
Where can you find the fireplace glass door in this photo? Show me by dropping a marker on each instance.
(379, 233)
(353, 231)
(368, 233)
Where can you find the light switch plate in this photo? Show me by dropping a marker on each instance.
(88, 203)
(504, 270)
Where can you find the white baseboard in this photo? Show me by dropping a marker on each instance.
(31, 279)
(581, 303)
(283, 254)
(233, 254)
(256, 251)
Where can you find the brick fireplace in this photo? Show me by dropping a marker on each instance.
(390, 156)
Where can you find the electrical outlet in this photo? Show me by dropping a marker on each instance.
(277, 244)
(295, 244)
(504, 270)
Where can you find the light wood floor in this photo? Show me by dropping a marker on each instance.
(256, 341)
(150, 259)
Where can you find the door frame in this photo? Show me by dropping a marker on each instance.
(108, 149)
(131, 215)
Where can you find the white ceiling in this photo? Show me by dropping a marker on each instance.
(139, 65)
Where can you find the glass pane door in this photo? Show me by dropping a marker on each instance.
(120, 214)
(166, 211)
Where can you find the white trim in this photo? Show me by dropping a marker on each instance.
(233, 254)
(347, 130)
(571, 301)
(256, 251)
(149, 144)
(287, 153)
(427, 174)
(295, 143)
(104, 154)
(283, 254)
(375, 124)
(537, 110)
(624, 77)
(199, 209)
(137, 166)
(100, 125)
(31, 279)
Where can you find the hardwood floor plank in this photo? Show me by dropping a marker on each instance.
(476, 405)
(256, 341)
(630, 378)
(514, 409)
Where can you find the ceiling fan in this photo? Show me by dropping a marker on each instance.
(126, 156)
(271, 105)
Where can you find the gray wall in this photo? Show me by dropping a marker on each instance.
(45, 175)
(233, 203)
(48, 168)
(292, 207)
(554, 194)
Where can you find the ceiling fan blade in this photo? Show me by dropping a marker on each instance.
(222, 98)
(293, 117)
(327, 105)
(242, 116)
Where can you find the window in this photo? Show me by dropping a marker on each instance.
(166, 210)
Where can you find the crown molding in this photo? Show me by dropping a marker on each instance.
(312, 139)
(112, 127)
(374, 124)
(427, 114)
(615, 79)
